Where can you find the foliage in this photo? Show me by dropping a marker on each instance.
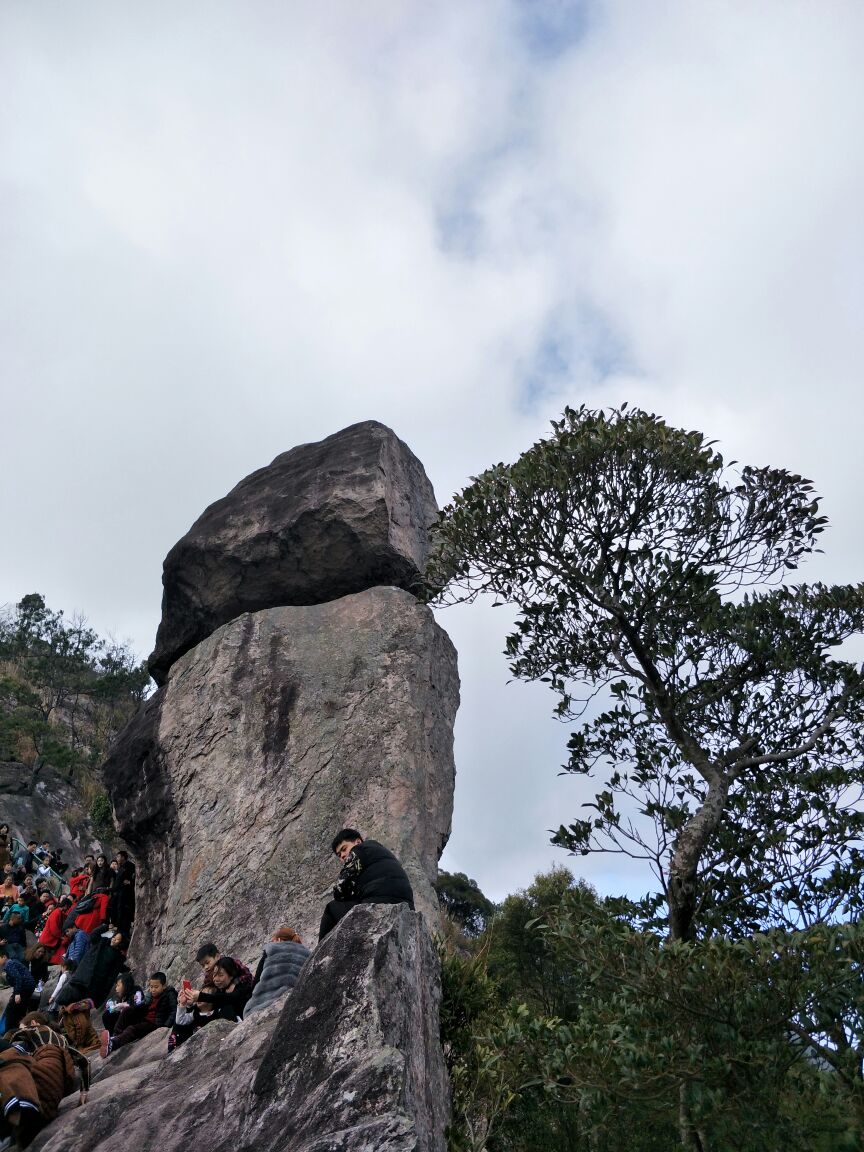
(64, 691)
(462, 899)
(734, 744)
(744, 1033)
(101, 816)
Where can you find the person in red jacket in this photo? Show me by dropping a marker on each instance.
(79, 882)
(51, 936)
(96, 916)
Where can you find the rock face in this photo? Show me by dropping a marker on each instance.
(52, 809)
(322, 521)
(350, 1061)
(270, 735)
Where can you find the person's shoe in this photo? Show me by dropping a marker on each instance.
(105, 1045)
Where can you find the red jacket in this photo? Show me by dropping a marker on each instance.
(52, 934)
(78, 884)
(90, 920)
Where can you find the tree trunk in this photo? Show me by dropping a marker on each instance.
(683, 867)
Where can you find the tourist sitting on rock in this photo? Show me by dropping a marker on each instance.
(92, 912)
(126, 994)
(9, 890)
(13, 934)
(52, 934)
(80, 879)
(77, 943)
(49, 996)
(25, 861)
(208, 956)
(103, 961)
(29, 896)
(278, 969)
(224, 999)
(370, 874)
(135, 1023)
(22, 984)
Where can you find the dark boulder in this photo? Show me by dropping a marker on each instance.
(322, 521)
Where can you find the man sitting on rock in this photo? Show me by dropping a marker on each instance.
(370, 874)
(137, 1022)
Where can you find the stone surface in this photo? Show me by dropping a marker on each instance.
(350, 1062)
(320, 522)
(52, 809)
(270, 735)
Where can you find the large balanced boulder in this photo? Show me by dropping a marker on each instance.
(274, 732)
(350, 1061)
(320, 522)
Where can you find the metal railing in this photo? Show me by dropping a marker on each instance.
(55, 881)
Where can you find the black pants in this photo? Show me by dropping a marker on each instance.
(16, 1012)
(333, 913)
(336, 909)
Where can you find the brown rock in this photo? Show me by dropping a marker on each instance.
(270, 735)
(320, 522)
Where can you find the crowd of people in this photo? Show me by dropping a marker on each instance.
(72, 973)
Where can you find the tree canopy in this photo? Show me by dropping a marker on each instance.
(649, 577)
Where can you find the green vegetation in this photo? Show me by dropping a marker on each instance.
(569, 1026)
(725, 1010)
(64, 694)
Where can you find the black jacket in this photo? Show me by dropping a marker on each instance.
(372, 875)
(166, 1008)
(99, 969)
(226, 1005)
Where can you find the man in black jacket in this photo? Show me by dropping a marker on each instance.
(370, 874)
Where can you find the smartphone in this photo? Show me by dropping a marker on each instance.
(187, 985)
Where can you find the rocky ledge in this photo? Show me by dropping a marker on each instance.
(350, 1061)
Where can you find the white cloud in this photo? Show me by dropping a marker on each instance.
(226, 229)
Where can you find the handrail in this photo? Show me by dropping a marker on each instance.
(55, 881)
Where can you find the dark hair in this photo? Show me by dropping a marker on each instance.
(204, 951)
(230, 967)
(70, 965)
(29, 842)
(160, 976)
(128, 982)
(37, 1018)
(344, 834)
(125, 855)
(117, 932)
(6, 826)
(4, 955)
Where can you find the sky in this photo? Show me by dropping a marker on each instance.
(230, 228)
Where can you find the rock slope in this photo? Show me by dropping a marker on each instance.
(350, 1061)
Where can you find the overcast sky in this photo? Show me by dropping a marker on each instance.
(229, 228)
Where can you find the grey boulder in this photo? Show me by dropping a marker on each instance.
(322, 521)
(274, 732)
(350, 1061)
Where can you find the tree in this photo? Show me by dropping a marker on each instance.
(464, 901)
(643, 567)
(64, 692)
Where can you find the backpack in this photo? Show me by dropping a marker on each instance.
(87, 904)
